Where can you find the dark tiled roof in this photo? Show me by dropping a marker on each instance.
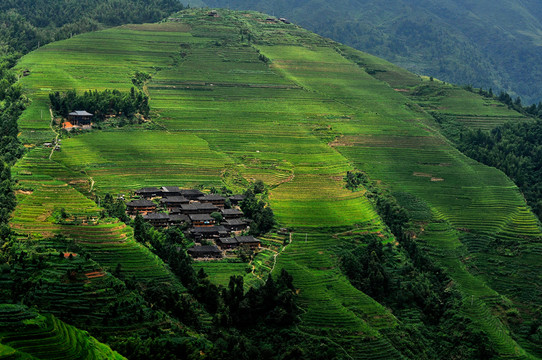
(212, 197)
(247, 239)
(178, 218)
(199, 206)
(228, 240)
(200, 217)
(208, 229)
(156, 216)
(171, 189)
(148, 190)
(141, 203)
(231, 212)
(204, 249)
(237, 197)
(175, 200)
(191, 192)
(234, 222)
(80, 113)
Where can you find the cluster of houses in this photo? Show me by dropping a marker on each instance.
(196, 210)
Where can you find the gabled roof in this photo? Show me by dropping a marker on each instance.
(178, 218)
(200, 217)
(228, 240)
(238, 197)
(141, 203)
(80, 113)
(234, 222)
(212, 197)
(156, 216)
(175, 200)
(247, 239)
(148, 190)
(171, 189)
(191, 192)
(204, 249)
(231, 212)
(199, 206)
(208, 229)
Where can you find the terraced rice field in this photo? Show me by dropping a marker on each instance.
(25, 333)
(299, 122)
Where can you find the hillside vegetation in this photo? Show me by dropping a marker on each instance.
(234, 99)
(491, 44)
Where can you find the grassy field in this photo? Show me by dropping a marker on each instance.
(296, 111)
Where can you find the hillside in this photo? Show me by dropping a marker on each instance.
(485, 43)
(236, 98)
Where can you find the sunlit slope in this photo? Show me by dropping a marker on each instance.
(223, 112)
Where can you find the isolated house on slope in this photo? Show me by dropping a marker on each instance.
(80, 118)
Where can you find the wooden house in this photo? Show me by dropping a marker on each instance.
(191, 194)
(209, 232)
(212, 13)
(149, 192)
(80, 118)
(201, 220)
(140, 206)
(170, 191)
(177, 219)
(157, 219)
(227, 243)
(248, 241)
(206, 251)
(235, 224)
(231, 213)
(197, 208)
(173, 202)
(214, 199)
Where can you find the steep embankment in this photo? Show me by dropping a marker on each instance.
(271, 101)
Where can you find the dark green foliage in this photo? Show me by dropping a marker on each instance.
(257, 210)
(354, 179)
(115, 208)
(140, 78)
(101, 104)
(516, 149)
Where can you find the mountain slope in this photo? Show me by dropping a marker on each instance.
(235, 97)
(485, 43)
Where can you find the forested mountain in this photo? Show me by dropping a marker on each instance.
(488, 43)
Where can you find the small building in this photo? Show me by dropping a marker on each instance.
(227, 243)
(209, 232)
(214, 199)
(212, 13)
(231, 213)
(157, 219)
(248, 241)
(201, 220)
(170, 191)
(197, 208)
(284, 20)
(149, 192)
(205, 251)
(191, 194)
(173, 202)
(177, 219)
(235, 224)
(236, 199)
(80, 118)
(140, 207)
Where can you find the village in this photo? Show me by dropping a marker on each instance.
(215, 223)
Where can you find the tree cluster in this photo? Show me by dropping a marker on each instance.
(257, 209)
(101, 103)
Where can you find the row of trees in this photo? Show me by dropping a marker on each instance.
(101, 103)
